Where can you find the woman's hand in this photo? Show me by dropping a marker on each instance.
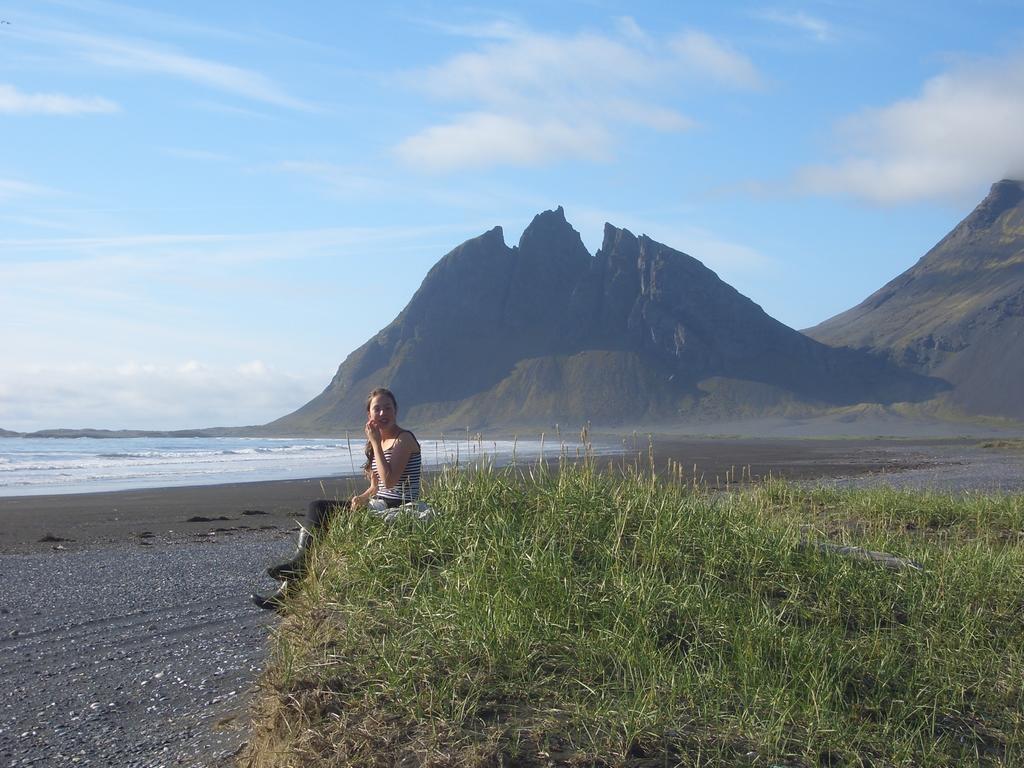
(372, 431)
(357, 502)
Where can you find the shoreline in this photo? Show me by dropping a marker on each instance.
(177, 513)
(74, 521)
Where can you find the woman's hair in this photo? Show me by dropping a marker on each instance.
(368, 449)
(381, 391)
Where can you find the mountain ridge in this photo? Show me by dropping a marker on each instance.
(541, 331)
(958, 313)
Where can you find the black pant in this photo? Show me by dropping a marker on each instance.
(321, 511)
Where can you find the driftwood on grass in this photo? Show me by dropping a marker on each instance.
(886, 560)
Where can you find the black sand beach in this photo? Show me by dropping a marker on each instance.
(149, 515)
(127, 637)
(126, 634)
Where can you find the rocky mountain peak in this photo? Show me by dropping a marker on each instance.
(495, 236)
(549, 220)
(992, 233)
(617, 242)
(549, 233)
(544, 331)
(1003, 196)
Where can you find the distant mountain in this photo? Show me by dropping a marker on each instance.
(103, 434)
(958, 313)
(545, 332)
(124, 433)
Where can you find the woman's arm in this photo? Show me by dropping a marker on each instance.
(363, 499)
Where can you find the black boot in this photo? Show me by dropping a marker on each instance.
(296, 566)
(317, 518)
(274, 601)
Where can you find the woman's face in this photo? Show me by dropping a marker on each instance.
(382, 411)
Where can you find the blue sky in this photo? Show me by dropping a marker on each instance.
(206, 206)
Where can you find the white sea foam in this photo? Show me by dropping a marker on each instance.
(32, 466)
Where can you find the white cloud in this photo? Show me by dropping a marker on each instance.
(526, 98)
(148, 395)
(962, 132)
(143, 56)
(110, 13)
(705, 55)
(532, 67)
(632, 31)
(213, 74)
(15, 102)
(814, 27)
(480, 140)
(651, 116)
(12, 188)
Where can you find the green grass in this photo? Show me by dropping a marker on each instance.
(588, 617)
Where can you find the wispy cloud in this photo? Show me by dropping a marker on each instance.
(961, 132)
(146, 57)
(482, 139)
(521, 69)
(111, 13)
(815, 28)
(630, 30)
(705, 55)
(16, 102)
(12, 188)
(143, 56)
(527, 98)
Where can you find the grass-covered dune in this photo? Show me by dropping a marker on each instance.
(607, 617)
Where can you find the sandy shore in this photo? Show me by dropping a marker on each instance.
(130, 641)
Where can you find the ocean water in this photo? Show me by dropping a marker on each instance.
(32, 466)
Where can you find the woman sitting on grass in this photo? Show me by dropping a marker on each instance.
(393, 469)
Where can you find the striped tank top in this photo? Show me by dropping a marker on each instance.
(408, 486)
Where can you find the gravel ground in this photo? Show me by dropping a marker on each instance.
(132, 655)
(947, 469)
